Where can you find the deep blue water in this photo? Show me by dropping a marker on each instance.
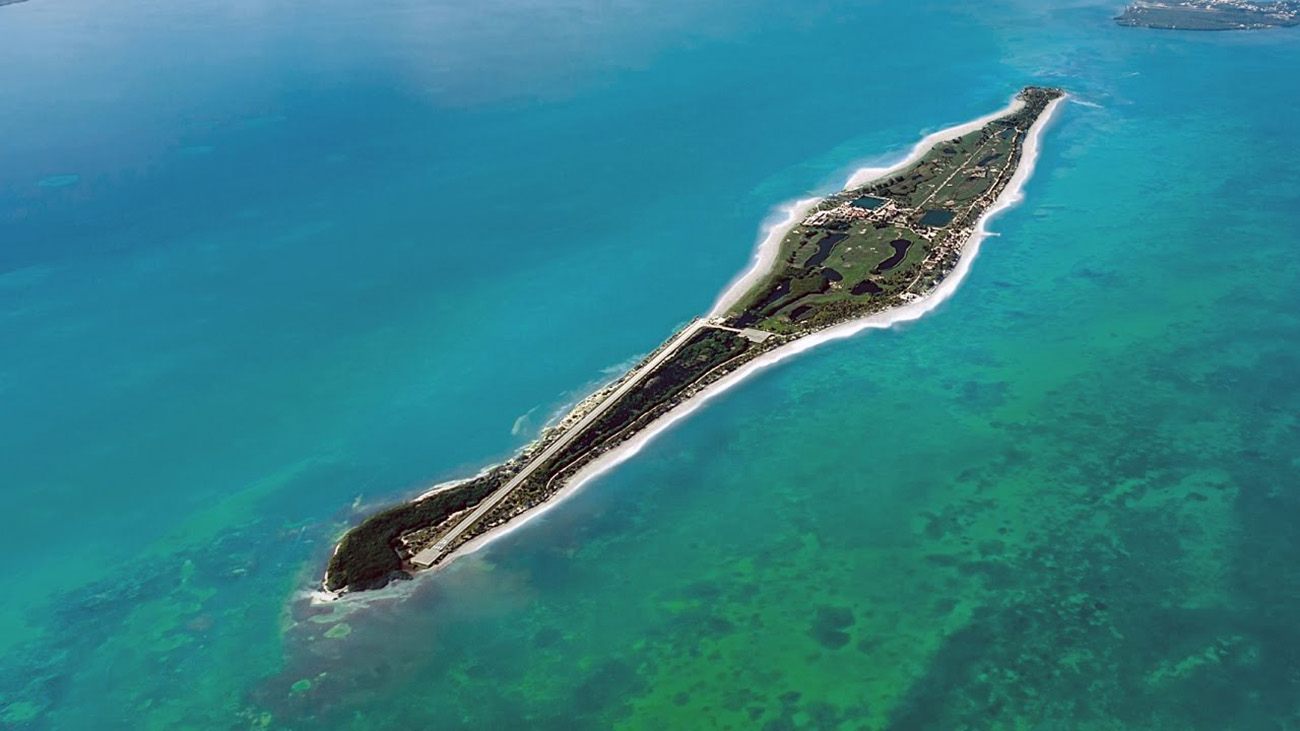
(311, 262)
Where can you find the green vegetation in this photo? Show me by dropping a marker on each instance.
(707, 350)
(858, 251)
(845, 259)
(791, 285)
(367, 557)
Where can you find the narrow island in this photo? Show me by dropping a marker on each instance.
(877, 246)
(1210, 14)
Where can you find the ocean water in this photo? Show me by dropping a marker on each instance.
(262, 270)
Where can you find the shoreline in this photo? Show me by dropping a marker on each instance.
(764, 254)
(774, 231)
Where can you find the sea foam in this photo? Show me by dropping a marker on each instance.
(783, 219)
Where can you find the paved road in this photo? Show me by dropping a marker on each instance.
(430, 555)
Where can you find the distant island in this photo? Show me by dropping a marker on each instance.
(1211, 15)
(875, 249)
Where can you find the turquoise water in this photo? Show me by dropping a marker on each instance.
(262, 269)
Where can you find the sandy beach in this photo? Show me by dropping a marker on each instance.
(793, 212)
(763, 258)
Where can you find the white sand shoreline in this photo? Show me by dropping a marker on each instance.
(795, 211)
(763, 258)
(1011, 195)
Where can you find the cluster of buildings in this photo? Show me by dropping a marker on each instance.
(848, 213)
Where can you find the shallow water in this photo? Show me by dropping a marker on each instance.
(297, 260)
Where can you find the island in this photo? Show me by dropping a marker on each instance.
(1211, 14)
(880, 245)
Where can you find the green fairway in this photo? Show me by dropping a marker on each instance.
(852, 255)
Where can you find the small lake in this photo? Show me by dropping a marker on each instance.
(900, 252)
(937, 218)
(824, 249)
(866, 286)
(868, 202)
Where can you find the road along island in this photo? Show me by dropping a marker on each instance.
(885, 246)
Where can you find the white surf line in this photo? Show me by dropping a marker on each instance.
(428, 556)
(445, 486)
(795, 211)
(1009, 196)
